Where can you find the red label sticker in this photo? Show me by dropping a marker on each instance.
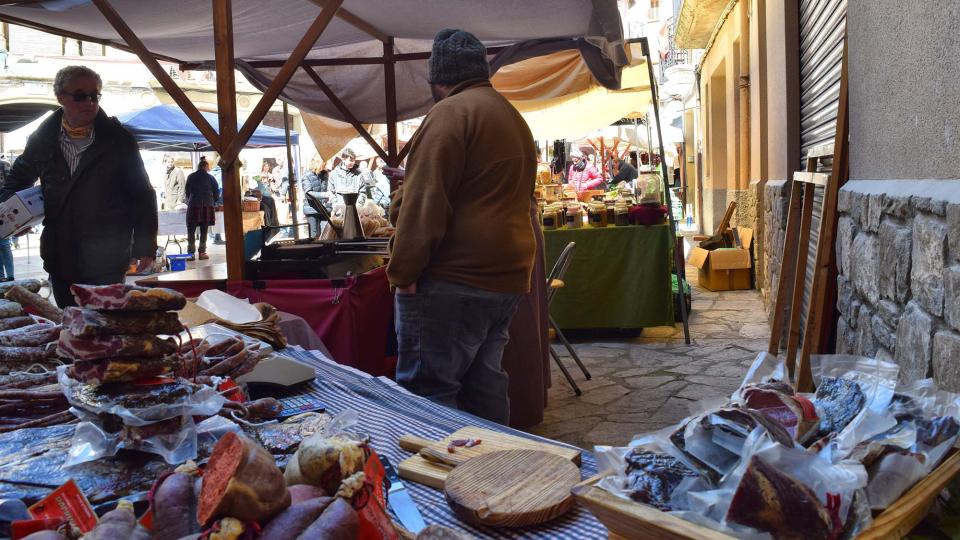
(23, 528)
(68, 503)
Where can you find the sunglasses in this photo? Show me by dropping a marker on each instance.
(80, 97)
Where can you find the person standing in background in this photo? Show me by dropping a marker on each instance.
(100, 211)
(173, 185)
(201, 192)
(6, 244)
(315, 183)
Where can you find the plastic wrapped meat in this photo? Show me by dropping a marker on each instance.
(838, 401)
(937, 430)
(111, 370)
(775, 385)
(127, 297)
(652, 477)
(88, 323)
(795, 413)
(771, 501)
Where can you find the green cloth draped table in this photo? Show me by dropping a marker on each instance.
(619, 277)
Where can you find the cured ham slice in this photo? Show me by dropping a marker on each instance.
(120, 296)
(88, 323)
(97, 348)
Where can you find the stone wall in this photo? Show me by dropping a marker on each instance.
(898, 251)
(776, 199)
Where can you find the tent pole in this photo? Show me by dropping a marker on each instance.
(678, 253)
(291, 179)
(390, 91)
(227, 112)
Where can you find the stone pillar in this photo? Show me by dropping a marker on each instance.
(898, 240)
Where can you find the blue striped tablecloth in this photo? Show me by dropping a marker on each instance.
(388, 411)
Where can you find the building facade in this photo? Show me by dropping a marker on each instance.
(769, 83)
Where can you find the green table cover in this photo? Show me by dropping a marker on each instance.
(619, 277)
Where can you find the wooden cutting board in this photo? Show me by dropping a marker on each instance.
(512, 488)
(418, 469)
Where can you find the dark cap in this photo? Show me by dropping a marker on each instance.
(456, 57)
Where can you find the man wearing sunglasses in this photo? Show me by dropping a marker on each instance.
(100, 211)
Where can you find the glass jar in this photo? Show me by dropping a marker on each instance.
(574, 217)
(598, 215)
(622, 214)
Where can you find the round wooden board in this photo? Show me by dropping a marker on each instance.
(512, 488)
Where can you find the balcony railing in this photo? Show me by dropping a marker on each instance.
(674, 55)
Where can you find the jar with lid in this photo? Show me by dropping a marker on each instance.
(598, 214)
(549, 218)
(574, 217)
(622, 214)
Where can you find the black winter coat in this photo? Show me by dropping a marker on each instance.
(316, 184)
(201, 190)
(101, 216)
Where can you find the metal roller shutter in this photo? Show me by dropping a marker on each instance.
(822, 27)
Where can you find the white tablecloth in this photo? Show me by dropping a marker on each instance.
(175, 224)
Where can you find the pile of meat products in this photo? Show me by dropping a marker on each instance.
(28, 360)
(770, 488)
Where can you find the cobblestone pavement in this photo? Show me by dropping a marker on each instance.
(649, 382)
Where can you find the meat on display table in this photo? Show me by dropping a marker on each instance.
(352, 316)
(386, 412)
(619, 277)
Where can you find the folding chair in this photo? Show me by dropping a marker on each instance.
(554, 283)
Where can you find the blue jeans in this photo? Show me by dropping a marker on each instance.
(6, 257)
(450, 343)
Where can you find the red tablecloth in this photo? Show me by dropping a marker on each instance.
(353, 316)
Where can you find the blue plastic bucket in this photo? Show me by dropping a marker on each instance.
(177, 262)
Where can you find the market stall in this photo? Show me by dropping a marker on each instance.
(619, 277)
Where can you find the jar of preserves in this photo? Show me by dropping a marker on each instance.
(622, 214)
(574, 217)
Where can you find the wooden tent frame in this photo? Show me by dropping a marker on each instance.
(230, 141)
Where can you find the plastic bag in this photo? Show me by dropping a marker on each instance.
(228, 308)
(175, 441)
(194, 399)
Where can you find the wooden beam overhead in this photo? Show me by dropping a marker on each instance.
(316, 62)
(280, 81)
(345, 111)
(227, 113)
(357, 22)
(390, 93)
(158, 72)
(403, 153)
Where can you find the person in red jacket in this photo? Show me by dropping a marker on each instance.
(582, 175)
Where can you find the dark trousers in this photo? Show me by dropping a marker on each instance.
(61, 287)
(191, 237)
(450, 343)
(313, 220)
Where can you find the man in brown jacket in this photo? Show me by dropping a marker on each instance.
(464, 245)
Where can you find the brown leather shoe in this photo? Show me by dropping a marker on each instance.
(203, 256)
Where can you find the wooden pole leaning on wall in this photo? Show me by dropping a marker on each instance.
(227, 112)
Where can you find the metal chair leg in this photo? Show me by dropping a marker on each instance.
(573, 353)
(573, 384)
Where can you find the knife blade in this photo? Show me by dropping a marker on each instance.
(399, 500)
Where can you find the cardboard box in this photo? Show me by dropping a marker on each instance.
(22, 211)
(725, 269)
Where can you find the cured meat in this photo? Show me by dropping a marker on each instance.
(26, 355)
(16, 322)
(773, 502)
(838, 401)
(113, 370)
(88, 323)
(96, 348)
(937, 430)
(41, 306)
(132, 396)
(32, 285)
(652, 477)
(10, 309)
(120, 296)
(30, 336)
(285, 437)
(795, 413)
(773, 384)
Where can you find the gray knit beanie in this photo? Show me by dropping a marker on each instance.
(456, 57)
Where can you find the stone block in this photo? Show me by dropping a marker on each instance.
(844, 295)
(866, 344)
(884, 355)
(897, 206)
(914, 343)
(895, 251)
(929, 257)
(844, 337)
(845, 232)
(929, 205)
(946, 360)
(865, 266)
(889, 312)
(871, 219)
(843, 201)
(951, 303)
(883, 333)
(953, 231)
(858, 206)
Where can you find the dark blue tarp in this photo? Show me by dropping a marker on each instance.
(167, 128)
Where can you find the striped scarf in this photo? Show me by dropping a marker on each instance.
(73, 147)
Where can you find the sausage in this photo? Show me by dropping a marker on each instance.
(30, 336)
(9, 308)
(45, 535)
(16, 322)
(293, 521)
(304, 492)
(175, 508)
(117, 523)
(41, 306)
(26, 354)
(338, 522)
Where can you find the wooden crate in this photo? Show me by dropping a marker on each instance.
(633, 520)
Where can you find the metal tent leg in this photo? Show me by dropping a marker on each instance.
(573, 353)
(573, 384)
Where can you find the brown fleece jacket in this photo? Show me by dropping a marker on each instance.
(463, 214)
